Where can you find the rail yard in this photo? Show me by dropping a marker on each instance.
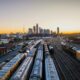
(43, 59)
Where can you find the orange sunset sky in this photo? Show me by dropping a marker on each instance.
(16, 14)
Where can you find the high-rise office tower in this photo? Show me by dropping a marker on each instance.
(30, 31)
(41, 31)
(58, 30)
(34, 29)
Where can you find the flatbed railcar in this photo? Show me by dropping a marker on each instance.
(10, 67)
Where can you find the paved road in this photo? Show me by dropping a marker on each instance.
(10, 55)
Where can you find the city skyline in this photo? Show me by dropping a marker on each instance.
(16, 14)
(36, 29)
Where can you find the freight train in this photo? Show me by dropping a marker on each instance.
(73, 51)
(24, 70)
(10, 67)
(50, 69)
(36, 73)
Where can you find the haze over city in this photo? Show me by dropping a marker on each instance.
(39, 39)
(16, 14)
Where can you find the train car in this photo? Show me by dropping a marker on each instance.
(76, 52)
(36, 73)
(68, 48)
(64, 45)
(24, 70)
(51, 49)
(2, 64)
(29, 47)
(46, 48)
(37, 43)
(27, 50)
(50, 70)
(73, 51)
(39, 55)
(32, 52)
(10, 67)
(40, 47)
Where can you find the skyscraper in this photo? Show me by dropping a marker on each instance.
(41, 31)
(46, 31)
(30, 31)
(36, 28)
(57, 30)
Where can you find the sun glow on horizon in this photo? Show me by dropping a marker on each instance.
(17, 13)
(20, 30)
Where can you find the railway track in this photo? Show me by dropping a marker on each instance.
(69, 67)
